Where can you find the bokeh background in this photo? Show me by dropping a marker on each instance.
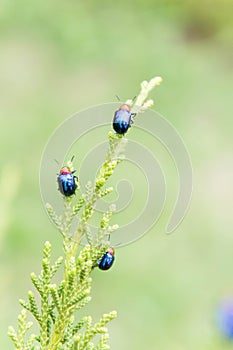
(59, 57)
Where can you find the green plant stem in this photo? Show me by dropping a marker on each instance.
(58, 304)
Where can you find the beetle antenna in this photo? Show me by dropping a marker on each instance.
(56, 161)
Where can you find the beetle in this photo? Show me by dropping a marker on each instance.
(122, 119)
(107, 259)
(67, 181)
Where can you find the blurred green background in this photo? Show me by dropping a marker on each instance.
(59, 57)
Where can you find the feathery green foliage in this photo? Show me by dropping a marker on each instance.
(56, 312)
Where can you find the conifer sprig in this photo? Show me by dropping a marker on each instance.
(54, 307)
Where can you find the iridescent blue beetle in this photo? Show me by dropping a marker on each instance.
(122, 119)
(67, 181)
(225, 318)
(107, 259)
